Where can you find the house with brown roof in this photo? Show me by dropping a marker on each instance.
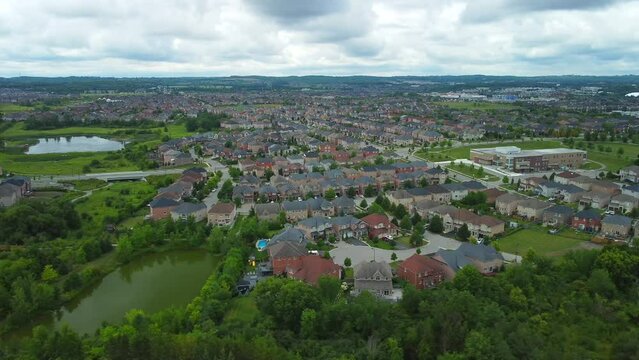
(492, 194)
(507, 204)
(379, 226)
(285, 253)
(310, 268)
(422, 271)
(222, 214)
(532, 209)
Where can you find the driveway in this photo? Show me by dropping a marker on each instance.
(359, 254)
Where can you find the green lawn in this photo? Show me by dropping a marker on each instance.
(612, 160)
(381, 244)
(463, 152)
(589, 165)
(473, 172)
(243, 309)
(107, 205)
(18, 131)
(481, 106)
(11, 108)
(61, 164)
(541, 241)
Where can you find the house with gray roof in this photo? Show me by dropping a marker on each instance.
(291, 235)
(343, 205)
(268, 211)
(315, 227)
(616, 226)
(623, 203)
(484, 258)
(9, 194)
(347, 227)
(188, 210)
(557, 215)
(374, 277)
(457, 191)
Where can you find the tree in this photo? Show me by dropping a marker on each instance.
(347, 262)
(363, 204)
(329, 194)
(505, 180)
(49, 274)
(370, 191)
(226, 191)
(437, 225)
(351, 192)
(405, 223)
(393, 257)
(463, 233)
(400, 211)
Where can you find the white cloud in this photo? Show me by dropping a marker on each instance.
(282, 37)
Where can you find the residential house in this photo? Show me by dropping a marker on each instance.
(623, 203)
(557, 216)
(23, 182)
(347, 227)
(422, 271)
(595, 200)
(401, 197)
(316, 227)
(161, 208)
(616, 226)
(492, 194)
(295, 210)
(565, 177)
(484, 258)
(9, 194)
(457, 191)
(423, 207)
(507, 204)
(310, 268)
(222, 214)
(268, 211)
(343, 205)
(629, 174)
(632, 190)
(485, 226)
(606, 187)
(374, 277)
(532, 209)
(292, 235)
(188, 210)
(284, 253)
(379, 226)
(587, 220)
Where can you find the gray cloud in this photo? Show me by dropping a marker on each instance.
(278, 37)
(297, 10)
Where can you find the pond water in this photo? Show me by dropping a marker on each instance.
(73, 144)
(150, 283)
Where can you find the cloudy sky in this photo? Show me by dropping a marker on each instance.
(329, 37)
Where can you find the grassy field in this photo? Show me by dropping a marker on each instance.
(463, 152)
(612, 160)
(18, 131)
(541, 241)
(590, 165)
(11, 108)
(61, 164)
(481, 106)
(106, 205)
(85, 185)
(473, 172)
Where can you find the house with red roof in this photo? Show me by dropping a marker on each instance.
(309, 268)
(379, 226)
(422, 271)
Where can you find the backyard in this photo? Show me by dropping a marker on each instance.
(543, 243)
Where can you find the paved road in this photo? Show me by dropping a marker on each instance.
(359, 254)
(213, 166)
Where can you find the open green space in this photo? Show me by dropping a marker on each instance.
(473, 171)
(612, 159)
(590, 165)
(85, 185)
(115, 203)
(543, 243)
(471, 105)
(18, 131)
(11, 108)
(463, 152)
(63, 164)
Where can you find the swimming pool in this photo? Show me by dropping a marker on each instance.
(261, 244)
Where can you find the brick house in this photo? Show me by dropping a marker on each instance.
(379, 226)
(161, 208)
(421, 271)
(586, 220)
(374, 277)
(616, 226)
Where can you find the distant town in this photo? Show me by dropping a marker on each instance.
(376, 183)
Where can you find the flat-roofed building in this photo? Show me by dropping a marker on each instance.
(515, 159)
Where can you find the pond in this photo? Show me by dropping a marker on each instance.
(151, 283)
(73, 144)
